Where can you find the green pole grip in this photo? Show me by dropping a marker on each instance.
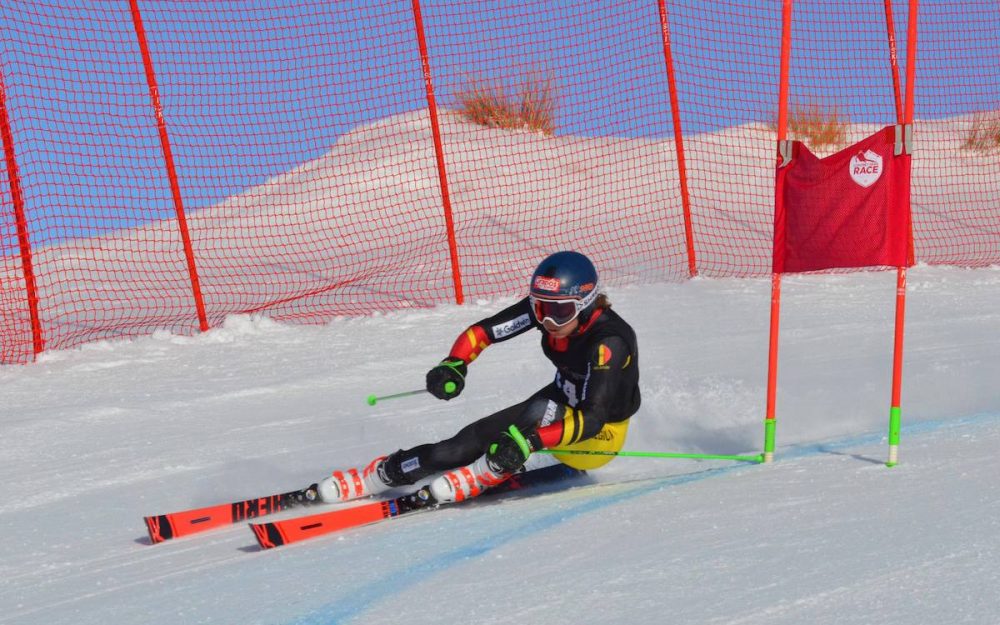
(895, 419)
(449, 387)
(770, 425)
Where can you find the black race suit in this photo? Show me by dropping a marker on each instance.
(596, 382)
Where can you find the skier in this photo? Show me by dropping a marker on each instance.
(586, 407)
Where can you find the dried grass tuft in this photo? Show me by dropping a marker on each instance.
(818, 125)
(984, 132)
(531, 106)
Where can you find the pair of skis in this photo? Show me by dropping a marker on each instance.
(282, 532)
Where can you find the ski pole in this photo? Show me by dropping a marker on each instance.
(449, 387)
(653, 454)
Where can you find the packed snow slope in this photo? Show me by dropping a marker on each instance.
(98, 437)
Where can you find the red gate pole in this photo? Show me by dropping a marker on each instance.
(678, 140)
(895, 412)
(895, 408)
(175, 189)
(770, 422)
(894, 61)
(449, 223)
(23, 239)
(911, 81)
(911, 60)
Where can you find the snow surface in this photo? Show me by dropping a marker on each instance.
(97, 437)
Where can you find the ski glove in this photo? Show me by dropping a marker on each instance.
(511, 450)
(447, 380)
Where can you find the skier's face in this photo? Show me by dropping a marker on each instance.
(560, 332)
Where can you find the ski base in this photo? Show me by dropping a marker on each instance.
(287, 531)
(164, 527)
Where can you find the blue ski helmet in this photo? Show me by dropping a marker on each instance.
(563, 286)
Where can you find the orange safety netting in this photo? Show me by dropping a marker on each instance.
(169, 163)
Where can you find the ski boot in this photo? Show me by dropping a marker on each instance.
(467, 482)
(352, 484)
(503, 459)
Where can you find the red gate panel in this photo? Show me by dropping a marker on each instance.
(850, 209)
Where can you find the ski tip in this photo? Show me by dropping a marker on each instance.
(267, 535)
(158, 528)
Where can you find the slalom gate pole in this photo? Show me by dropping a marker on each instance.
(652, 454)
(449, 388)
(770, 423)
(786, 152)
(895, 411)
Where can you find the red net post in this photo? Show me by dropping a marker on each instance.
(168, 158)
(17, 264)
(449, 221)
(678, 141)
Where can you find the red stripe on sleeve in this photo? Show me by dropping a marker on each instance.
(470, 344)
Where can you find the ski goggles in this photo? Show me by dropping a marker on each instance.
(560, 312)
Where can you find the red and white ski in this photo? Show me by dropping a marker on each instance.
(163, 527)
(286, 531)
